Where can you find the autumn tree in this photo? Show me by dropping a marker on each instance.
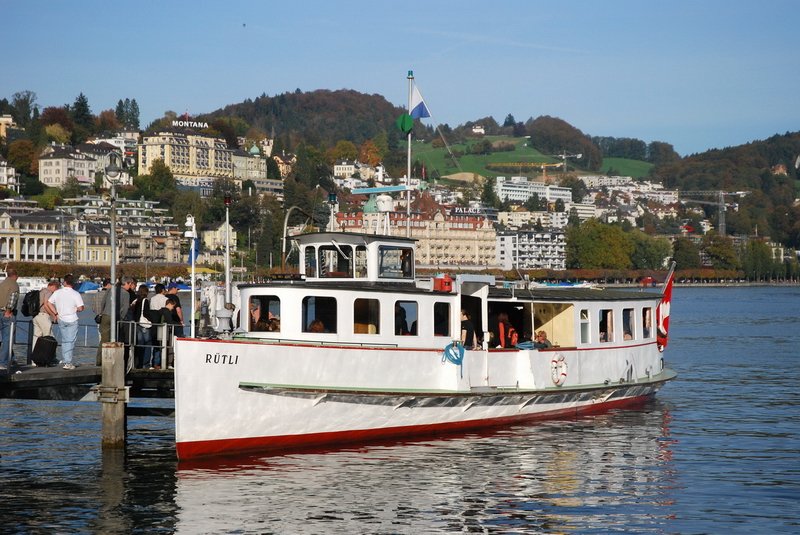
(107, 121)
(56, 132)
(57, 115)
(22, 157)
(369, 153)
(344, 150)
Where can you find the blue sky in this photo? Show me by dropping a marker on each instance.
(699, 75)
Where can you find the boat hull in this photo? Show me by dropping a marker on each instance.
(236, 397)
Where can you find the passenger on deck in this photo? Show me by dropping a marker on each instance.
(316, 326)
(467, 331)
(506, 333)
(541, 341)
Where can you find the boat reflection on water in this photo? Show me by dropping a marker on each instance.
(608, 470)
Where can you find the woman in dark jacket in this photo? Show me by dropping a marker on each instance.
(143, 353)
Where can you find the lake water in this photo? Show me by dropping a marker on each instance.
(718, 451)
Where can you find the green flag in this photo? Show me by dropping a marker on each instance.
(405, 123)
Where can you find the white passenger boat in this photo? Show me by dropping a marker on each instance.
(355, 348)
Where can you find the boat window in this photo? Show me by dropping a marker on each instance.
(395, 262)
(405, 317)
(335, 262)
(627, 324)
(360, 262)
(319, 314)
(441, 319)
(311, 261)
(366, 316)
(585, 326)
(647, 322)
(606, 325)
(265, 313)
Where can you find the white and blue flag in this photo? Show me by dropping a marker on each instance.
(418, 107)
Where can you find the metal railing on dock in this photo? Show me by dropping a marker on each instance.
(89, 338)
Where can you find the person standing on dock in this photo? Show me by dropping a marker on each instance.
(66, 303)
(43, 321)
(9, 295)
(177, 313)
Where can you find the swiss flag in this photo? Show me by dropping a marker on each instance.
(662, 311)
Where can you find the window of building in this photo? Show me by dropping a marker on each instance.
(585, 329)
(265, 313)
(319, 314)
(606, 325)
(628, 327)
(366, 316)
(441, 319)
(405, 317)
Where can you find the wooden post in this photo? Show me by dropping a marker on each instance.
(113, 395)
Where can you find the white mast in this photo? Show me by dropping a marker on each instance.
(408, 168)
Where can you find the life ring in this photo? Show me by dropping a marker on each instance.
(558, 369)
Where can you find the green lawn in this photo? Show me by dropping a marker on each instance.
(439, 160)
(625, 167)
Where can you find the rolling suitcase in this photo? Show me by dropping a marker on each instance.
(44, 353)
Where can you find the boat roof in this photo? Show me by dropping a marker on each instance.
(347, 237)
(571, 294)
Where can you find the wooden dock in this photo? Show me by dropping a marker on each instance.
(56, 383)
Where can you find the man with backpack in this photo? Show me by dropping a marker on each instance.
(42, 319)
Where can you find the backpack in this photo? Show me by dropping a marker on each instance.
(30, 304)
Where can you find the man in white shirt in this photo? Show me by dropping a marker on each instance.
(64, 304)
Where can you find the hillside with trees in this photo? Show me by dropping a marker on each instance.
(766, 169)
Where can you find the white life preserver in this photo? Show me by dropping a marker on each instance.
(558, 369)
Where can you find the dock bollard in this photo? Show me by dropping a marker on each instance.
(113, 394)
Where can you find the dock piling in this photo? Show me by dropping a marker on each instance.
(113, 394)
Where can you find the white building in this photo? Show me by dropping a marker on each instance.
(62, 163)
(520, 189)
(8, 176)
(532, 249)
(344, 168)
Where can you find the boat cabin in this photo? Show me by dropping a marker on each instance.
(362, 257)
(361, 289)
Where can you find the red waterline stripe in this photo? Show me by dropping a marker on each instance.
(205, 448)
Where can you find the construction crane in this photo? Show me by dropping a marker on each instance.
(524, 165)
(722, 207)
(563, 156)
